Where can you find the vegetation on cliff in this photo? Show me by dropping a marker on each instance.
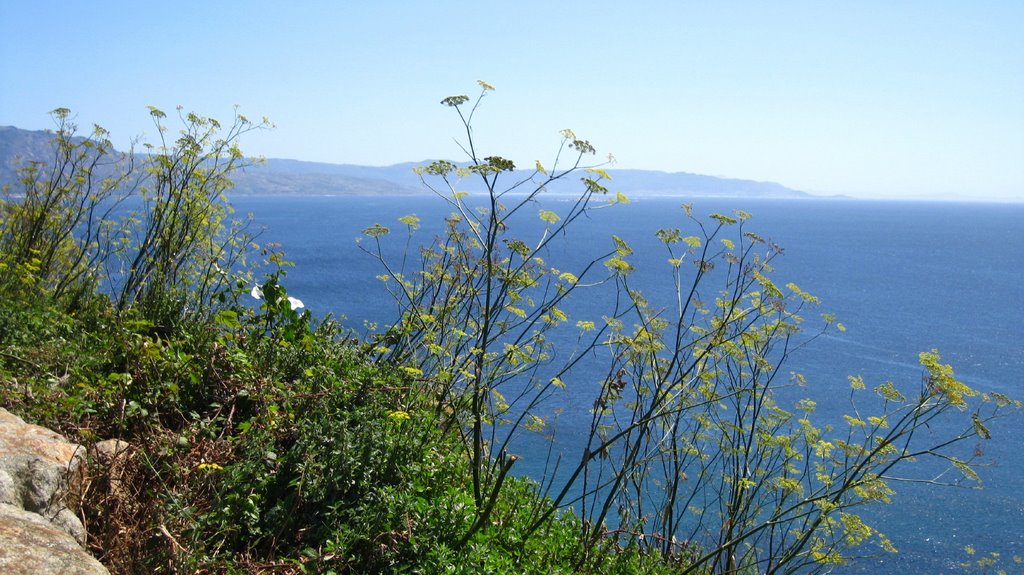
(266, 440)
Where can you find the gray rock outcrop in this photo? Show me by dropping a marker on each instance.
(38, 532)
(31, 545)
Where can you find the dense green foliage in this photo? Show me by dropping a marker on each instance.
(263, 440)
(256, 451)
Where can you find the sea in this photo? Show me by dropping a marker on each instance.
(903, 277)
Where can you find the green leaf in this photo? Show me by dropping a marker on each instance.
(583, 146)
(228, 318)
(518, 246)
(889, 392)
(668, 236)
(622, 249)
(979, 427)
(549, 216)
(585, 325)
(499, 164)
(854, 421)
(593, 187)
(723, 219)
(376, 231)
(410, 220)
(455, 101)
(437, 168)
(619, 265)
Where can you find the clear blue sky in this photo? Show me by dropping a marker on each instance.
(872, 98)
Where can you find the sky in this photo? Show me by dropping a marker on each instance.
(879, 99)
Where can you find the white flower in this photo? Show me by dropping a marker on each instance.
(257, 292)
(295, 302)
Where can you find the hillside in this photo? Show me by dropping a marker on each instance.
(294, 177)
(18, 146)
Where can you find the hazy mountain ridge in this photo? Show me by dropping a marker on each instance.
(296, 177)
(18, 146)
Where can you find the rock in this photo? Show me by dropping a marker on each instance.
(31, 545)
(36, 467)
(39, 535)
(113, 454)
(110, 450)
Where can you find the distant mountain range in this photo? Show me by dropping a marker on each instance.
(294, 177)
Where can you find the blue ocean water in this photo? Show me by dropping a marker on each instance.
(903, 277)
